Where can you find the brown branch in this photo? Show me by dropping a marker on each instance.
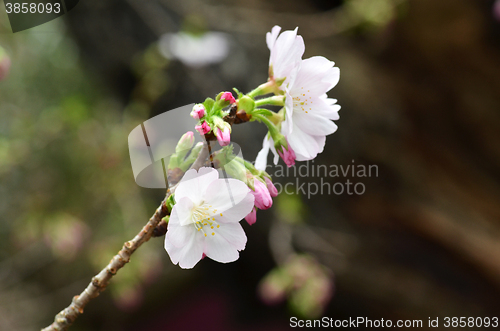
(68, 315)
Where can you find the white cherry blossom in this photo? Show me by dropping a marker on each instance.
(308, 110)
(312, 110)
(205, 218)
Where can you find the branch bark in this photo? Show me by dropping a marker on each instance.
(68, 315)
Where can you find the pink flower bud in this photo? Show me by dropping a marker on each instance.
(252, 217)
(228, 96)
(263, 199)
(203, 129)
(223, 137)
(288, 155)
(273, 192)
(198, 111)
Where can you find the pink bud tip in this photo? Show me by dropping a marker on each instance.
(188, 136)
(287, 155)
(263, 199)
(228, 96)
(198, 111)
(252, 217)
(224, 137)
(203, 129)
(271, 188)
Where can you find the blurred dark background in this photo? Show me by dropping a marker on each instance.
(420, 97)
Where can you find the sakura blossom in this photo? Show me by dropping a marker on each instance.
(308, 110)
(205, 218)
(312, 110)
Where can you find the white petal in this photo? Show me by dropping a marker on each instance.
(286, 54)
(181, 213)
(271, 37)
(304, 145)
(206, 175)
(219, 249)
(261, 160)
(332, 77)
(314, 124)
(326, 107)
(234, 234)
(316, 75)
(320, 144)
(275, 153)
(237, 212)
(288, 113)
(194, 183)
(229, 197)
(188, 255)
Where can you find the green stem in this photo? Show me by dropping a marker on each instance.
(273, 130)
(277, 100)
(266, 88)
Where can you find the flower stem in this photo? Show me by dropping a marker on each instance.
(273, 130)
(277, 100)
(266, 88)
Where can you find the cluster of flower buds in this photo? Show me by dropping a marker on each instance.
(211, 115)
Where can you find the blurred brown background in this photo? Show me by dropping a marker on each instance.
(420, 96)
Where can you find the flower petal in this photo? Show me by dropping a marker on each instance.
(316, 75)
(261, 160)
(231, 198)
(303, 144)
(271, 37)
(314, 124)
(326, 107)
(219, 249)
(234, 234)
(288, 112)
(188, 255)
(286, 55)
(194, 184)
(181, 212)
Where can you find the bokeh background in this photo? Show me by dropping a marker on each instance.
(420, 96)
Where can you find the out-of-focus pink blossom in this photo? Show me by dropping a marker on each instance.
(4, 65)
(496, 10)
